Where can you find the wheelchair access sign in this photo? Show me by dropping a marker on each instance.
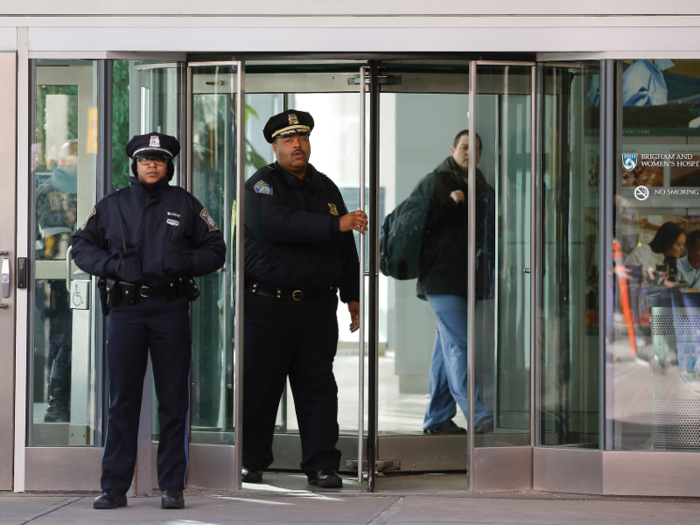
(79, 295)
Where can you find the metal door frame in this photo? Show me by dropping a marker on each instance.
(8, 245)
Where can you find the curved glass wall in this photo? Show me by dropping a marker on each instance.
(655, 342)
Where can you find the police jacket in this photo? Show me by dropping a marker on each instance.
(148, 235)
(443, 266)
(292, 233)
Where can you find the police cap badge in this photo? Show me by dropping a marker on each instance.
(290, 122)
(153, 145)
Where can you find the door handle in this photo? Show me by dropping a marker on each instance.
(68, 275)
(5, 278)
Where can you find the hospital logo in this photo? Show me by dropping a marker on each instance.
(629, 161)
(641, 193)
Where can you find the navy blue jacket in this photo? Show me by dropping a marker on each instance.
(167, 232)
(292, 233)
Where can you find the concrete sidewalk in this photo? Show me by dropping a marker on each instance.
(329, 507)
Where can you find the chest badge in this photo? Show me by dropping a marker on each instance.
(334, 209)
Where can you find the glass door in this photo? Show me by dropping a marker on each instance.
(65, 406)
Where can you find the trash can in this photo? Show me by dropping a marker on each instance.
(675, 333)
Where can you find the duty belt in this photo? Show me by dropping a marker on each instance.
(287, 293)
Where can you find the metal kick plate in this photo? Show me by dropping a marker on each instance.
(80, 295)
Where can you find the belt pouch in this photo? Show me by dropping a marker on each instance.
(128, 293)
(188, 287)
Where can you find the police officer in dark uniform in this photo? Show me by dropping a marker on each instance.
(146, 242)
(299, 251)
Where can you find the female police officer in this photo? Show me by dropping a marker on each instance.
(146, 242)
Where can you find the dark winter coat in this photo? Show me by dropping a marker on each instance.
(443, 267)
(292, 233)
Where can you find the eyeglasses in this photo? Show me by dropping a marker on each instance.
(145, 161)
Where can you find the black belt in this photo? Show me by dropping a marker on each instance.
(287, 293)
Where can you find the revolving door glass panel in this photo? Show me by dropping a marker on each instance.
(569, 387)
(502, 324)
(332, 98)
(213, 182)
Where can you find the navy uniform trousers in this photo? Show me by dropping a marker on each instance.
(296, 339)
(164, 328)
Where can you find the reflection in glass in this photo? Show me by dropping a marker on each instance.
(64, 173)
(655, 348)
(570, 283)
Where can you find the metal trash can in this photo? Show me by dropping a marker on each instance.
(675, 333)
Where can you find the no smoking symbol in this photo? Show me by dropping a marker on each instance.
(641, 193)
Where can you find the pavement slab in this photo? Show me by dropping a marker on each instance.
(303, 506)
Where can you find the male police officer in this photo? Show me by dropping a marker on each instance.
(146, 242)
(299, 249)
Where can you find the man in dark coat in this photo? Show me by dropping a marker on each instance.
(146, 242)
(299, 251)
(442, 280)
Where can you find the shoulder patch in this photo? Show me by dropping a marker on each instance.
(204, 214)
(262, 187)
(93, 212)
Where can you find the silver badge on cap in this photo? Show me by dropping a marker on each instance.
(154, 142)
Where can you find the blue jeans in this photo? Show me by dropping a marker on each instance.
(448, 370)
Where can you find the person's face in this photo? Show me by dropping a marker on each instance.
(69, 164)
(151, 171)
(694, 254)
(677, 249)
(460, 153)
(293, 153)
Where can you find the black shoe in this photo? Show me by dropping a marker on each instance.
(172, 499)
(251, 475)
(326, 479)
(449, 427)
(484, 425)
(110, 499)
(56, 412)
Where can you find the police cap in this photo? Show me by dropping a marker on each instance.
(290, 122)
(153, 145)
